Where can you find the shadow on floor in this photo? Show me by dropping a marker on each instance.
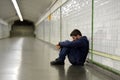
(73, 73)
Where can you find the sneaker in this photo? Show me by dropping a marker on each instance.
(57, 62)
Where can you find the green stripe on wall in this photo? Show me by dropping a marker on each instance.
(114, 57)
(92, 29)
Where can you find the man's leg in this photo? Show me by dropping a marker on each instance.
(62, 55)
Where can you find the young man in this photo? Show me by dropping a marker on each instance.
(76, 50)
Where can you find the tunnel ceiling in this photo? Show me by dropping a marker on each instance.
(30, 9)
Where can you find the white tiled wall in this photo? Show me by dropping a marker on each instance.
(47, 30)
(77, 14)
(114, 64)
(55, 27)
(106, 30)
(4, 29)
(40, 31)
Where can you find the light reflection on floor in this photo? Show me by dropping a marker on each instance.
(29, 59)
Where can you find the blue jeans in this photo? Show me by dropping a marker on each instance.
(66, 52)
(71, 56)
(62, 54)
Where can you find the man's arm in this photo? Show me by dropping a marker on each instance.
(77, 43)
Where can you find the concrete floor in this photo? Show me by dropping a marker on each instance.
(29, 59)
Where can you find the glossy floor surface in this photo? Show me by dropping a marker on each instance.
(29, 59)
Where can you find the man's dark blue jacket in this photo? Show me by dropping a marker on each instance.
(78, 49)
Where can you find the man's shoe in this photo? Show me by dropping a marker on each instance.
(57, 62)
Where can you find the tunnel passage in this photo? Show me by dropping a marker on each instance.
(25, 28)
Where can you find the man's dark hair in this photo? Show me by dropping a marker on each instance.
(75, 32)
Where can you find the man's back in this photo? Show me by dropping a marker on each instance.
(78, 54)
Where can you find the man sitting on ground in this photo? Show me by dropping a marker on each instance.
(76, 50)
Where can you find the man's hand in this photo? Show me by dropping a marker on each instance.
(58, 46)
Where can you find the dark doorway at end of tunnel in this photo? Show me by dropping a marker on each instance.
(25, 28)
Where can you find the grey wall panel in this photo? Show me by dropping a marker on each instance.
(47, 30)
(106, 31)
(55, 27)
(4, 29)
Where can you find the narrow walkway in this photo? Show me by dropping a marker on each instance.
(29, 59)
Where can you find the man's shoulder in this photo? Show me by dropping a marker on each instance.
(83, 38)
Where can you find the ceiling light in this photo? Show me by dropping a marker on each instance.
(17, 9)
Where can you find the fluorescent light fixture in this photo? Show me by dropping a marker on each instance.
(17, 9)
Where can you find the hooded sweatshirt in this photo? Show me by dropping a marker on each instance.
(78, 50)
